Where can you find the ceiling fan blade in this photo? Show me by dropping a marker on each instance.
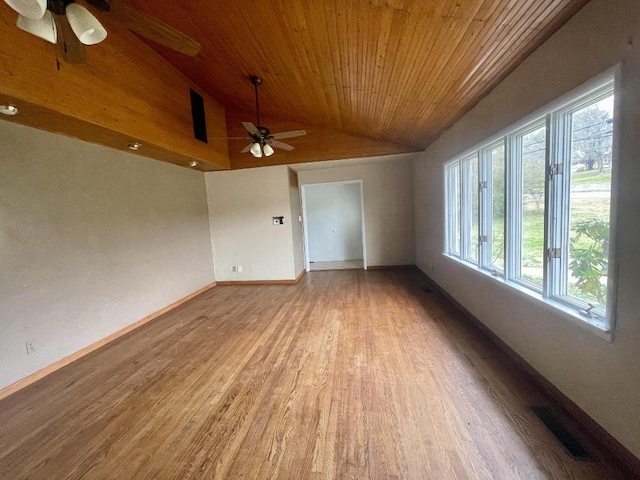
(247, 148)
(282, 145)
(149, 27)
(291, 134)
(251, 128)
(69, 47)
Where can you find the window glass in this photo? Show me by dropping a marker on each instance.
(497, 207)
(590, 202)
(533, 148)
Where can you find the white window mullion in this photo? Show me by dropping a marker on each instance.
(557, 228)
(513, 226)
(484, 222)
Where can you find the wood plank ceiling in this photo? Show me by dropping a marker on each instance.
(399, 71)
(363, 77)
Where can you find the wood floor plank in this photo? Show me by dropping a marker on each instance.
(347, 374)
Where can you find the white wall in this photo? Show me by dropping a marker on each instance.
(296, 230)
(388, 202)
(241, 206)
(334, 221)
(91, 240)
(602, 378)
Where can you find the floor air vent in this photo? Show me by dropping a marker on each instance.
(570, 443)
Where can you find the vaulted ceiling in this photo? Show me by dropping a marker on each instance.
(397, 71)
(362, 77)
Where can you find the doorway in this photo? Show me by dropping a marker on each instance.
(334, 229)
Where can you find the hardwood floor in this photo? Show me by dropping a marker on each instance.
(347, 374)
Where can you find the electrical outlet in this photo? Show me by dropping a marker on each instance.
(234, 269)
(239, 269)
(30, 347)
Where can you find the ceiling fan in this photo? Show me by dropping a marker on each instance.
(71, 26)
(263, 140)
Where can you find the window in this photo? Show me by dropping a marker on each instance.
(533, 206)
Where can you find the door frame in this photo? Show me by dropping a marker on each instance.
(305, 230)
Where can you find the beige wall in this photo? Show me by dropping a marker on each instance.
(388, 202)
(602, 378)
(91, 240)
(241, 206)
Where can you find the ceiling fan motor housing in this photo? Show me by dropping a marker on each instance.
(264, 137)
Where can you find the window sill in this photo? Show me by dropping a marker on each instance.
(559, 309)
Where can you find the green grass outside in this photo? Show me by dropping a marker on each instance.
(591, 176)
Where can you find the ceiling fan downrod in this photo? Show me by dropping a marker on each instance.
(256, 81)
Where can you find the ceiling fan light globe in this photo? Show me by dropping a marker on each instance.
(44, 28)
(31, 9)
(86, 27)
(268, 150)
(256, 151)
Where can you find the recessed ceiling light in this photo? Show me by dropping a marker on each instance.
(135, 146)
(10, 110)
(193, 163)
